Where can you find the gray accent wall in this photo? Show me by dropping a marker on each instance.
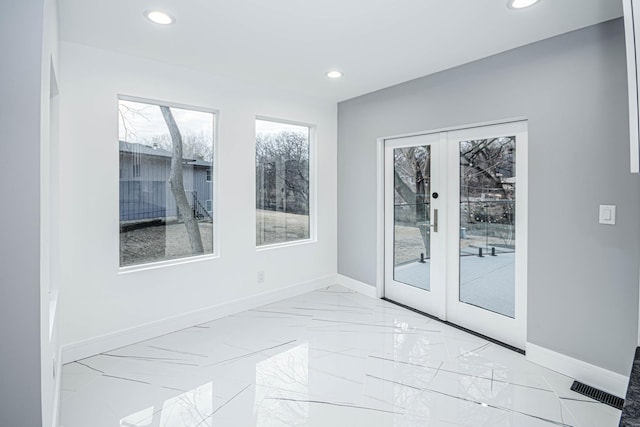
(582, 276)
(21, 40)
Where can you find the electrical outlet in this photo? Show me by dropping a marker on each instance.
(260, 276)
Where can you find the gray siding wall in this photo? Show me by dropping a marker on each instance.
(582, 276)
(149, 195)
(201, 186)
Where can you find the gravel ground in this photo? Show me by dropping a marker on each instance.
(161, 243)
(171, 241)
(278, 227)
(408, 244)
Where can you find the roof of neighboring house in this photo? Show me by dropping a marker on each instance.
(145, 150)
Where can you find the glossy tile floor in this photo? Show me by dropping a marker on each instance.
(327, 358)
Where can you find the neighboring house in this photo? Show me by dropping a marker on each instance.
(145, 192)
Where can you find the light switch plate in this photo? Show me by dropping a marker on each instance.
(608, 214)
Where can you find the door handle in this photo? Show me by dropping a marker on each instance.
(434, 223)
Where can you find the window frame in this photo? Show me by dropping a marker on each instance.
(135, 173)
(215, 190)
(312, 184)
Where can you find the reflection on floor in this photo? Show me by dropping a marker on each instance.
(327, 358)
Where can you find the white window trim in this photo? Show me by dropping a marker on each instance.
(165, 263)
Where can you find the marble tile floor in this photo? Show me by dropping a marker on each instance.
(327, 358)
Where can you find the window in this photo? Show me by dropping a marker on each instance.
(136, 168)
(166, 189)
(282, 182)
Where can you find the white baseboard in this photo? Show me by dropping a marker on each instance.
(56, 393)
(356, 286)
(584, 372)
(93, 346)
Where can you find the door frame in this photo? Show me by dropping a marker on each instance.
(380, 211)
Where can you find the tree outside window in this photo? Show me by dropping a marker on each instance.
(282, 182)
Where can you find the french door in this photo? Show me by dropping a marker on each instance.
(456, 224)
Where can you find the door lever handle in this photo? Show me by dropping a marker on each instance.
(434, 222)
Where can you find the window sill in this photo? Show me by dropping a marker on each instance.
(285, 244)
(167, 263)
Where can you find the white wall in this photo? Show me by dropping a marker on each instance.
(96, 299)
(49, 214)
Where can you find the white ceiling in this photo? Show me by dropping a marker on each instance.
(291, 44)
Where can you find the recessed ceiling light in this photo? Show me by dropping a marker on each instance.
(334, 74)
(159, 17)
(521, 4)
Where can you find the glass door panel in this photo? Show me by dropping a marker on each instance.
(486, 273)
(414, 251)
(487, 224)
(411, 226)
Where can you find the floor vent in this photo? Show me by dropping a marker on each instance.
(599, 395)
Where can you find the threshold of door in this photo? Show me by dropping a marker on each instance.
(469, 331)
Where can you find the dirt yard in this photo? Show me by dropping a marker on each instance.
(408, 244)
(278, 227)
(167, 242)
(171, 241)
(160, 243)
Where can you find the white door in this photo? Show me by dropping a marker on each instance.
(472, 270)
(415, 225)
